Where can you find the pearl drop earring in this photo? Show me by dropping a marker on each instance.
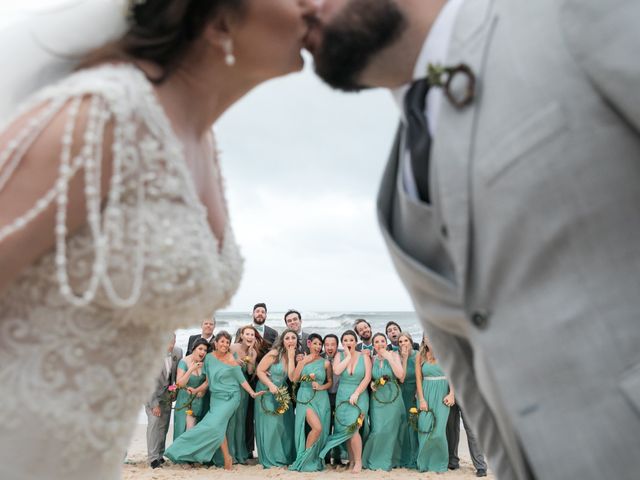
(229, 57)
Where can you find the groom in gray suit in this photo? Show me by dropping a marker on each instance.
(511, 209)
(158, 408)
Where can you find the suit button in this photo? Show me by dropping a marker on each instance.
(444, 231)
(480, 319)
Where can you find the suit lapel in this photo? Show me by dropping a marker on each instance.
(387, 186)
(454, 138)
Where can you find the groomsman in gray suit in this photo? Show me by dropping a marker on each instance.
(159, 406)
(511, 209)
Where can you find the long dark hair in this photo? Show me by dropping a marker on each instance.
(279, 347)
(162, 32)
(201, 341)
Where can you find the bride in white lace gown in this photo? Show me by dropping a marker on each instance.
(113, 224)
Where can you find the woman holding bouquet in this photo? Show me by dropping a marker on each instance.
(244, 351)
(352, 400)
(383, 449)
(435, 395)
(274, 423)
(189, 405)
(224, 379)
(314, 376)
(408, 388)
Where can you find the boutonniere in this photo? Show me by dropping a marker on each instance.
(463, 91)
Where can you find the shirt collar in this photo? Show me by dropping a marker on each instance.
(435, 47)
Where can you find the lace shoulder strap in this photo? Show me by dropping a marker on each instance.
(109, 98)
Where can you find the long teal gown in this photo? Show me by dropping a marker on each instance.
(433, 453)
(236, 429)
(180, 412)
(347, 414)
(410, 452)
(274, 434)
(384, 445)
(309, 459)
(200, 444)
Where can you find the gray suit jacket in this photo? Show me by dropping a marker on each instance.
(525, 269)
(163, 380)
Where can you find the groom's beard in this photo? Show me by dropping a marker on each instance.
(353, 38)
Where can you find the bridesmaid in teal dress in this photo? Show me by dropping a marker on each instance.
(408, 357)
(274, 432)
(387, 415)
(245, 353)
(435, 393)
(189, 377)
(313, 411)
(224, 380)
(354, 369)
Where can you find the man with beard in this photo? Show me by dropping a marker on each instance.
(520, 219)
(269, 336)
(363, 329)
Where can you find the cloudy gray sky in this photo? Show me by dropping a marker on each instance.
(302, 165)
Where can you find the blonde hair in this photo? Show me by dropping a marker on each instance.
(406, 335)
(425, 350)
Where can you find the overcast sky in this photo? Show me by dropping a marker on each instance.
(302, 165)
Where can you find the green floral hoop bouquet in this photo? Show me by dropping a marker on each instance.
(304, 378)
(381, 382)
(171, 394)
(188, 405)
(283, 398)
(414, 416)
(351, 427)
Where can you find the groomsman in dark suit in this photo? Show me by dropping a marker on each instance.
(269, 336)
(158, 408)
(453, 439)
(208, 326)
(393, 331)
(293, 320)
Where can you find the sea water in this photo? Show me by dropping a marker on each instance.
(312, 322)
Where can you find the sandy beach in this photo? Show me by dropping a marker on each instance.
(136, 468)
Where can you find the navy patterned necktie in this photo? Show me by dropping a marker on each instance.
(418, 136)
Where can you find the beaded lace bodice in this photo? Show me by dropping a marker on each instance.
(83, 330)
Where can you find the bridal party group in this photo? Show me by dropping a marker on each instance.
(367, 400)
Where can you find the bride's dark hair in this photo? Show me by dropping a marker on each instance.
(162, 31)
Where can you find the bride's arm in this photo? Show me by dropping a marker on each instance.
(37, 172)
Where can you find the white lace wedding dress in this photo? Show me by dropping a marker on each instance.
(83, 330)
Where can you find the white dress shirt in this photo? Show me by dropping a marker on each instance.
(434, 51)
(259, 328)
(168, 361)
